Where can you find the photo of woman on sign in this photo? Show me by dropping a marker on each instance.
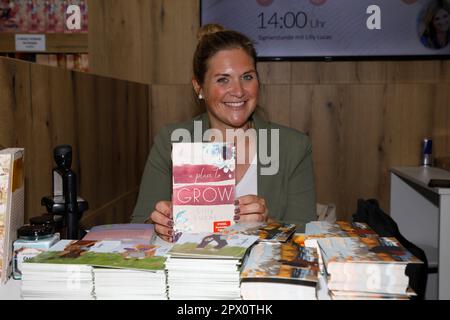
(435, 27)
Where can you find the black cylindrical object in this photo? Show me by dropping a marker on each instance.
(63, 159)
(71, 204)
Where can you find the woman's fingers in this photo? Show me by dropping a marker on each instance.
(256, 217)
(162, 219)
(255, 207)
(249, 199)
(251, 208)
(164, 232)
(164, 207)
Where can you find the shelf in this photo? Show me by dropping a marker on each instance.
(56, 43)
(422, 175)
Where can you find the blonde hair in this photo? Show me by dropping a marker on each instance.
(208, 29)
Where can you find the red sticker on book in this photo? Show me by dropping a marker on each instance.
(220, 225)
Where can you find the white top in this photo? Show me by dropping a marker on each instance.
(249, 182)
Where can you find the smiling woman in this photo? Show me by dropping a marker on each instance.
(226, 81)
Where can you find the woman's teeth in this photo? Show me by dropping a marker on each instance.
(235, 104)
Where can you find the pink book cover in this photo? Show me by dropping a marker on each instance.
(130, 232)
(203, 187)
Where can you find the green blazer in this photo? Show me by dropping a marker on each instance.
(289, 194)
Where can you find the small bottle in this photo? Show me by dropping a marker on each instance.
(32, 240)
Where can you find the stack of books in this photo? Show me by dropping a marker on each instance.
(366, 268)
(357, 263)
(284, 271)
(48, 277)
(207, 266)
(57, 282)
(91, 269)
(127, 284)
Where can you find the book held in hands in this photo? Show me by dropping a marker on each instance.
(203, 187)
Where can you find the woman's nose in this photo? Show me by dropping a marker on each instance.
(237, 89)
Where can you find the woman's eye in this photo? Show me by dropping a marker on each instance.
(222, 80)
(248, 77)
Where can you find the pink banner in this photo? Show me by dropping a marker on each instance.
(200, 174)
(203, 195)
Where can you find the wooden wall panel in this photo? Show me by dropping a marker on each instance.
(305, 72)
(175, 25)
(325, 141)
(302, 97)
(116, 142)
(274, 73)
(121, 40)
(358, 158)
(105, 120)
(50, 123)
(274, 103)
(14, 99)
(441, 121)
(172, 104)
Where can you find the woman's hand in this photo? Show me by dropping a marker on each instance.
(162, 218)
(251, 208)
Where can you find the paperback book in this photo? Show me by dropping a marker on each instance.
(138, 233)
(280, 271)
(12, 205)
(373, 264)
(324, 229)
(270, 232)
(315, 230)
(212, 245)
(112, 254)
(203, 187)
